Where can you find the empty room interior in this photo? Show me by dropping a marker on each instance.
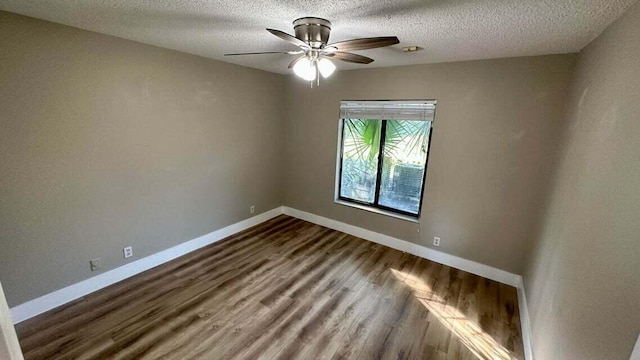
(411, 179)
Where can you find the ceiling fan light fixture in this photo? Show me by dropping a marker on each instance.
(326, 67)
(305, 69)
(312, 39)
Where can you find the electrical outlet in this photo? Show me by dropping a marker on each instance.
(252, 209)
(95, 264)
(436, 241)
(128, 252)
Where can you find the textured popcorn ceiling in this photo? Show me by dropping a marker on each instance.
(448, 30)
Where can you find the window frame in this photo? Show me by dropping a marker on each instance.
(375, 206)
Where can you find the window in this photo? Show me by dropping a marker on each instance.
(382, 155)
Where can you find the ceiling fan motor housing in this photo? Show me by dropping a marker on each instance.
(312, 30)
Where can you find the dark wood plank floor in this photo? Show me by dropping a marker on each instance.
(286, 289)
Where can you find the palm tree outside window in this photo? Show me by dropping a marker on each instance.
(383, 153)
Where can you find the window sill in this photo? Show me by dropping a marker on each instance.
(377, 211)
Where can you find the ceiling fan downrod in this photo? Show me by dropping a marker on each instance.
(313, 31)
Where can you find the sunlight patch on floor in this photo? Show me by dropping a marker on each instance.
(480, 343)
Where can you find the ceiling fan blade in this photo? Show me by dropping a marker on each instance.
(267, 52)
(365, 43)
(289, 38)
(291, 64)
(349, 57)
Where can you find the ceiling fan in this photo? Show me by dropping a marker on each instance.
(312, 37)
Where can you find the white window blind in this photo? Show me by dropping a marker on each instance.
(388, 110)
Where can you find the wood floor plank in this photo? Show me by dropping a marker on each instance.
(286, 289)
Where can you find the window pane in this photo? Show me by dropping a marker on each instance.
(361, 145)
(405, 154)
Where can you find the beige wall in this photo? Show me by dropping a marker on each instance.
(583, 283)
(496, 129)
(106, 143)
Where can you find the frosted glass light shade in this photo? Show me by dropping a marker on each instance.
(326, 67)
(306, 69)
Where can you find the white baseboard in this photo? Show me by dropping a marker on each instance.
(473, 267)
(60, 297)
(411, 248)
(54, 299)
(525, 322)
